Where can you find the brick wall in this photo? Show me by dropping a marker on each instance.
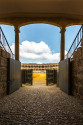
(3, 72)
(77, 72)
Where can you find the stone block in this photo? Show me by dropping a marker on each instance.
(77, 72)
(0, 52)
(3, 86)
(82, 43)
(3, 71)
(82, 51)
(3, 62)
(75, 90)
(81, 90)
(75, 54)
(80, 62)
(8, 55)
(80, 80)
(3, 78)
(0, 47)
(4, 54)
(79, 52)
(3, 92)
(3, 74)
(75, 65)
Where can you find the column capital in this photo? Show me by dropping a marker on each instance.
(62, 29)
(17, 28)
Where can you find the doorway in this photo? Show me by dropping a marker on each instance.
(39, 77)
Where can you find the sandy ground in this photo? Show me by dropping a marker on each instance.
(40, 105)
(39, 78)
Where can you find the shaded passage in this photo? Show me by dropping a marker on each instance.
(40, 105)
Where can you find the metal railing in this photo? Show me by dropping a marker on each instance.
(76, 43)
(4, 43)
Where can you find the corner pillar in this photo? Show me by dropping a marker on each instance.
(62, 45)
(17, 42)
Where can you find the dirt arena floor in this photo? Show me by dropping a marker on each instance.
(39, 78)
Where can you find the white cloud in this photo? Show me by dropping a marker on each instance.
(39, 52)
(65, 52)
(39, 62)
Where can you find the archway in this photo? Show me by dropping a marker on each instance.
(40, 42)
(46, 24)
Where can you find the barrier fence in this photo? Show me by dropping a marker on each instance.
(76, 43)
(4, 43)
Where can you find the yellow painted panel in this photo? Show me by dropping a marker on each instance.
(39, 78)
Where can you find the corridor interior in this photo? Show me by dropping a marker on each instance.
(40, 103)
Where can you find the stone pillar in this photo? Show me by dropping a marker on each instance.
(17, 42)
(62, 46)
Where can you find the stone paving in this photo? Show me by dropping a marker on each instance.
(40, 105)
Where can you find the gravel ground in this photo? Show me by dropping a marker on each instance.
(40, 105)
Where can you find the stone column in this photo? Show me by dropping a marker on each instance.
(62, 46)
(17, 42)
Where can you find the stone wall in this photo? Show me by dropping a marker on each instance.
(77, 72)
(3, 72)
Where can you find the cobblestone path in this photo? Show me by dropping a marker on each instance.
(40, 105)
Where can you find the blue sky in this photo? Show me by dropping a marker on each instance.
(40, 43)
